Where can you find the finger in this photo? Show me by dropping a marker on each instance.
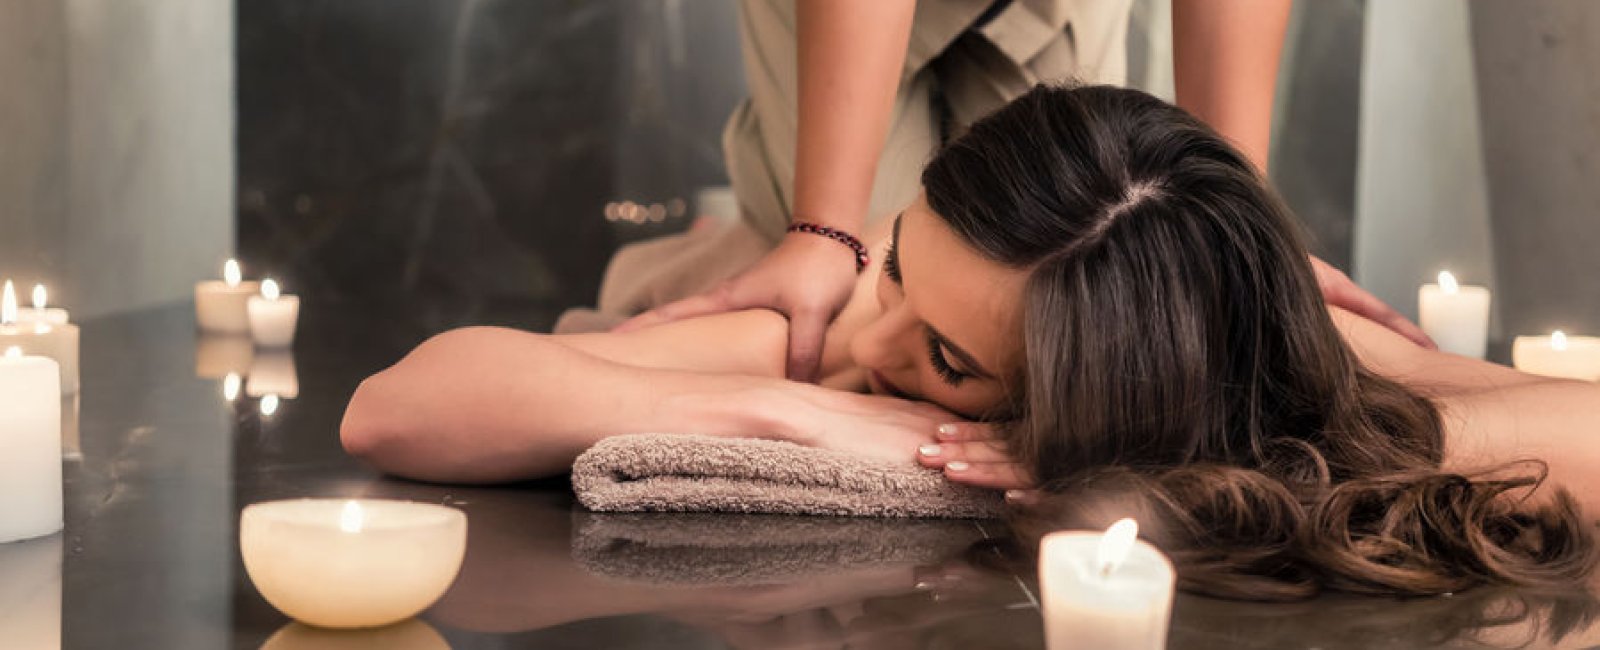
(982, 451)
(952, 431)
(1368, 306)
(691, 307)
(806, 331)
(998, 476)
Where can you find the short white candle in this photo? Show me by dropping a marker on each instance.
(273, 316)
(351, 564)
(273, 373)
(41, 312)
(30, 594)
(30, 435)
(1106, 591)
(219, 355)
(1558, 355)
(59, 342)
(219, 305)
(1456, 316)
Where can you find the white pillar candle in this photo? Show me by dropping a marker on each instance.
(220, 305)
(59, 342)
(30, 594)
(273, 373)
(1104, 591)
(1558, 355)
(218, 355)
(40, 312)
(1456, 316)
(351, 564)
(30, 446)
(273, 316)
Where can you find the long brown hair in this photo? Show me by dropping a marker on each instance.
(1182, 367)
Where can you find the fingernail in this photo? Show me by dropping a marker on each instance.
(929, 450)
(923, 585)
(956, 466)
(947, 430)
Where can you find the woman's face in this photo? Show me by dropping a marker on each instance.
(950, 328)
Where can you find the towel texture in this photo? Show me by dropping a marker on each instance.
(691, 473)
(694, 549)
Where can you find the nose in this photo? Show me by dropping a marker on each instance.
(881, 344)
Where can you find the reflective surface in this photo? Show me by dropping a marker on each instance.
(151, 559)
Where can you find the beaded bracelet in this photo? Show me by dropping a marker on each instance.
(837, 235)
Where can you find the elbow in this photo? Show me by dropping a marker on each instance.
(368, 427)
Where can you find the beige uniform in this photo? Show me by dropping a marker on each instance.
(955, 72)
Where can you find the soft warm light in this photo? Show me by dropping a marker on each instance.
(1116, 545)
(269, 405)
(8, 305)
(13, 352)
(1558, 340)
(231, 273)
(269, 289)
(350, 519)
(1447, 283)
(230, 386)
(38, 296)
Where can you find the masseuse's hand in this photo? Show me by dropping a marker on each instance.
(971, 453)
(1340, 291)
(806, 278)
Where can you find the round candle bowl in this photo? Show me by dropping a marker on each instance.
(409, 635)
(338, 563)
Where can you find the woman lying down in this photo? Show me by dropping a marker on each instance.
(1095, 300)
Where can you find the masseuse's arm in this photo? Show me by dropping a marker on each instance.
(1225, 63)
(851, 55)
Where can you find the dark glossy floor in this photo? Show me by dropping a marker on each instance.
(151, 559)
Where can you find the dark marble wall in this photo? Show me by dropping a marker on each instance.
(454, 156)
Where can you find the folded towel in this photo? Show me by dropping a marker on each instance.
(692, 473)
(698, 549)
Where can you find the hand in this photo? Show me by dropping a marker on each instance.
(868, 426)
(806, 278)
(971, 453)
(1338, 290)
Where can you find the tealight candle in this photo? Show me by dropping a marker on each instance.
(273, 373)
(30, 434)
(351, 564)
(40, 312)
(1106, 591)
(217, 355)
(59, 342)
(1456, 316)
(272, 316)
(1558, 355)
(220, 305)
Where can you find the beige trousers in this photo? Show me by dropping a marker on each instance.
(954, 74)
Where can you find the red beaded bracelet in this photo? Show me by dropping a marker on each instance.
(837, 235)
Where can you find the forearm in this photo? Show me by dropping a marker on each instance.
(850, 58)
(490, 405)
(1225, 56)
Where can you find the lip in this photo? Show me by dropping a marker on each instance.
(888, 386)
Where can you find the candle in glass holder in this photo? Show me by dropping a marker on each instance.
(273, 315)
(1106, 591)
(220, 305)
(1558, 355)
(351, 563)
(30, 434)
(1456, 316)
(40, 338)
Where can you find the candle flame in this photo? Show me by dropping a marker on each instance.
(1116, 545)
(8, 305)
(231, 273)
(269, 405)
(230, 386)
(269, 289)
(13, 352)
(1558, 340)
(38, 296)
(351, 519)
(1447, 282)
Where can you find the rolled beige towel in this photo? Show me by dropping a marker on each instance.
(692, 473)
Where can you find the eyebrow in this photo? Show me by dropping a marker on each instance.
(955, 350)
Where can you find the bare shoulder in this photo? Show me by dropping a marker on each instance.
(748, 342)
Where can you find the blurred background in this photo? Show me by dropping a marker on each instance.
(445, 162)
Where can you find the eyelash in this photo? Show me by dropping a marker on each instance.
(942, 366)
(891, 263)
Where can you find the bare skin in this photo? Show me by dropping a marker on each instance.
(487, 405)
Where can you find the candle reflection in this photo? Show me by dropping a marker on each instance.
(268, 406)
(30, 594)
(273, 373)
(410, 634)
(230, 387)
(217, 356)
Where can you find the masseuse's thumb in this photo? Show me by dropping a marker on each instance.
(806, 330)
